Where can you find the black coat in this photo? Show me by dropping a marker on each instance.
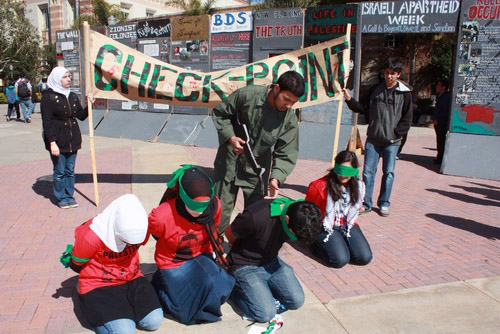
(59, 116)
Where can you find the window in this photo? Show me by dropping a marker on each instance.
(125, 8)
(44, 22)
(392, 41)
(72, 5)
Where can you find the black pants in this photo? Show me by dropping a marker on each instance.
(441, 128)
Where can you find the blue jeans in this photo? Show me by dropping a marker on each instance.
(372, 157)
(339, 250)
(257, 287)
(64, 177)
(150, 322)
(26, 107)
(194, 292)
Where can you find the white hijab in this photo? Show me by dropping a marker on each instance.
(54, 80)
(123, 222)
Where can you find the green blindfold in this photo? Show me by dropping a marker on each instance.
(195, 206)
(279, 207)
(346, 171)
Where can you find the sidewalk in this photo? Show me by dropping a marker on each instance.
(436, 259)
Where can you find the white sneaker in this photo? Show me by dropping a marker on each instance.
(384, 211)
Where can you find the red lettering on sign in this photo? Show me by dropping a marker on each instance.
(324, 14)
(263, 31)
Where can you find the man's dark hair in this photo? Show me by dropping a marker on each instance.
(394, 64)
(44, 79)
(444, 82)
(305, 221)
(292, 82)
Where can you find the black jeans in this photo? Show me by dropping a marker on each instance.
(441, 129)
(339, 250)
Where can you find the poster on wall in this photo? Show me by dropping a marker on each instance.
(153, 39)
(476, 87)
(322, 24)
(68, 45)
(189, 50)
(190, 55)
(124, 33)
(230, 40)
(277, 31)
(391, 17)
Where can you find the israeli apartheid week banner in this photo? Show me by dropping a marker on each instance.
(120, 72)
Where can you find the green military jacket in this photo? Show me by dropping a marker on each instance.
(267, 128)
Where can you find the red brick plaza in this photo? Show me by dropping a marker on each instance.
(441, 229)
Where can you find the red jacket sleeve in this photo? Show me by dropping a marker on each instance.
(316, 193)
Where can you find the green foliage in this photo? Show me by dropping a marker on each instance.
(3, 98)
(192, 7)
(19, 42)
(49, 60)
(440, 66)
(101, 11)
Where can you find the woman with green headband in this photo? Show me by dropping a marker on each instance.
(190, 284)
(339, 195)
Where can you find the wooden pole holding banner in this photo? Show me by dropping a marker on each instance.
(354, 143)
(87, 69)
(339, 109)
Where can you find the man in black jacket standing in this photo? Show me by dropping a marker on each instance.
(390, 115)
(441, 117)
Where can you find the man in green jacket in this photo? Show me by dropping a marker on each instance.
(273, 138)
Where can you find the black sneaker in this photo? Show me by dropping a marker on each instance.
(364, 209)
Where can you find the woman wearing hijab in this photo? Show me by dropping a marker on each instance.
(114, 294)
(61, 133)
(191, 284)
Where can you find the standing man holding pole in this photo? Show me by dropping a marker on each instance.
(390, 114)
(259, 121)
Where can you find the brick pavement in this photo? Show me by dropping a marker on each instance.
(36, 292)
(441, 228)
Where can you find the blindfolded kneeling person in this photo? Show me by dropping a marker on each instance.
(114, 294)
(339, 195)
(264, 283)
(191, 285)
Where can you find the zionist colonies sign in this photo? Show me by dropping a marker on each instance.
(189, 50)
(68, 50)
(123, 33)
(153, 39)
(322, 24)
(230, 40)
(476, 87)
(423, 16)
(277, 31)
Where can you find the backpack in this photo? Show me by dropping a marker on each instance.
(10, 92)
(22, 89)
